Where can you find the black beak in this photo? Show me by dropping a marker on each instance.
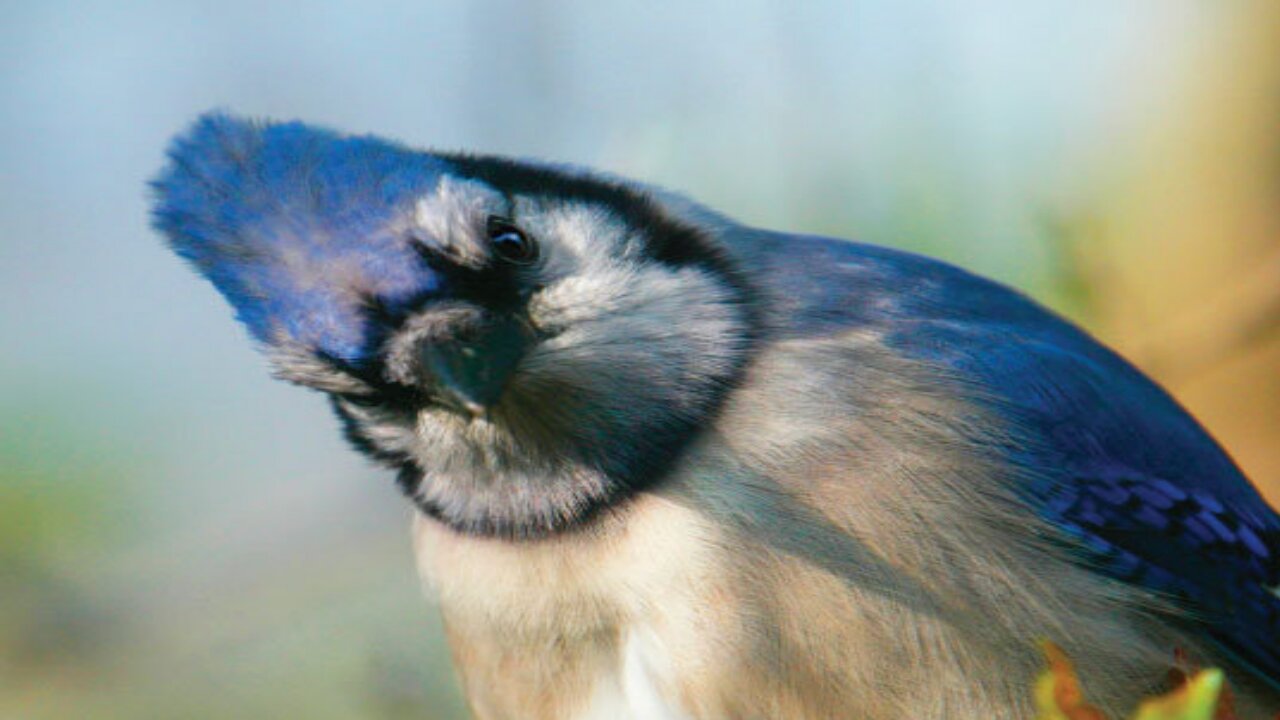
(470, 374)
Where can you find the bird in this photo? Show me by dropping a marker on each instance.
(667, 465)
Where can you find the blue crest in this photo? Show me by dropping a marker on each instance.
(298, 227)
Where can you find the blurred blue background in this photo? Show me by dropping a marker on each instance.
(181, 536)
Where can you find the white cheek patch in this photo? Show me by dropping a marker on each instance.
(581, 298)
(596, 266)
(645, 301)
(453, 218)
(579, 236)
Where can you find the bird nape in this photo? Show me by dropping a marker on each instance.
(667, 465)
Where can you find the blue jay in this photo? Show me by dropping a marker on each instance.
(669, 466)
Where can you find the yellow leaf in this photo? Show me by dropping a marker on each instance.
(1197, 699)
(1058, 695)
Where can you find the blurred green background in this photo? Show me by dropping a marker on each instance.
(181, 537)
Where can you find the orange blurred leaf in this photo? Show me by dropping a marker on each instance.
(1197, 694)
(1058, 693)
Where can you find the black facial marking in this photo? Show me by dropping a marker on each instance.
(409, 477)
(392, 396)
(361, 443)
(501, 287)
(670, 241)
(498, 285)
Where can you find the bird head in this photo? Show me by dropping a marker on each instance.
(525, 344)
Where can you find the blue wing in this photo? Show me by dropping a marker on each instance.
(1149, 497)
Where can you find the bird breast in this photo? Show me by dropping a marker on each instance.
(577, 626)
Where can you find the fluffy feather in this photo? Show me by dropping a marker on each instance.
(737, 473)
(297, 227)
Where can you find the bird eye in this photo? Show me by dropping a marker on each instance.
(510, 242)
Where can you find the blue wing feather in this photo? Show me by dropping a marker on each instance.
(1148, 496)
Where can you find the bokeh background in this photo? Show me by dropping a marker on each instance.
(181, 537)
